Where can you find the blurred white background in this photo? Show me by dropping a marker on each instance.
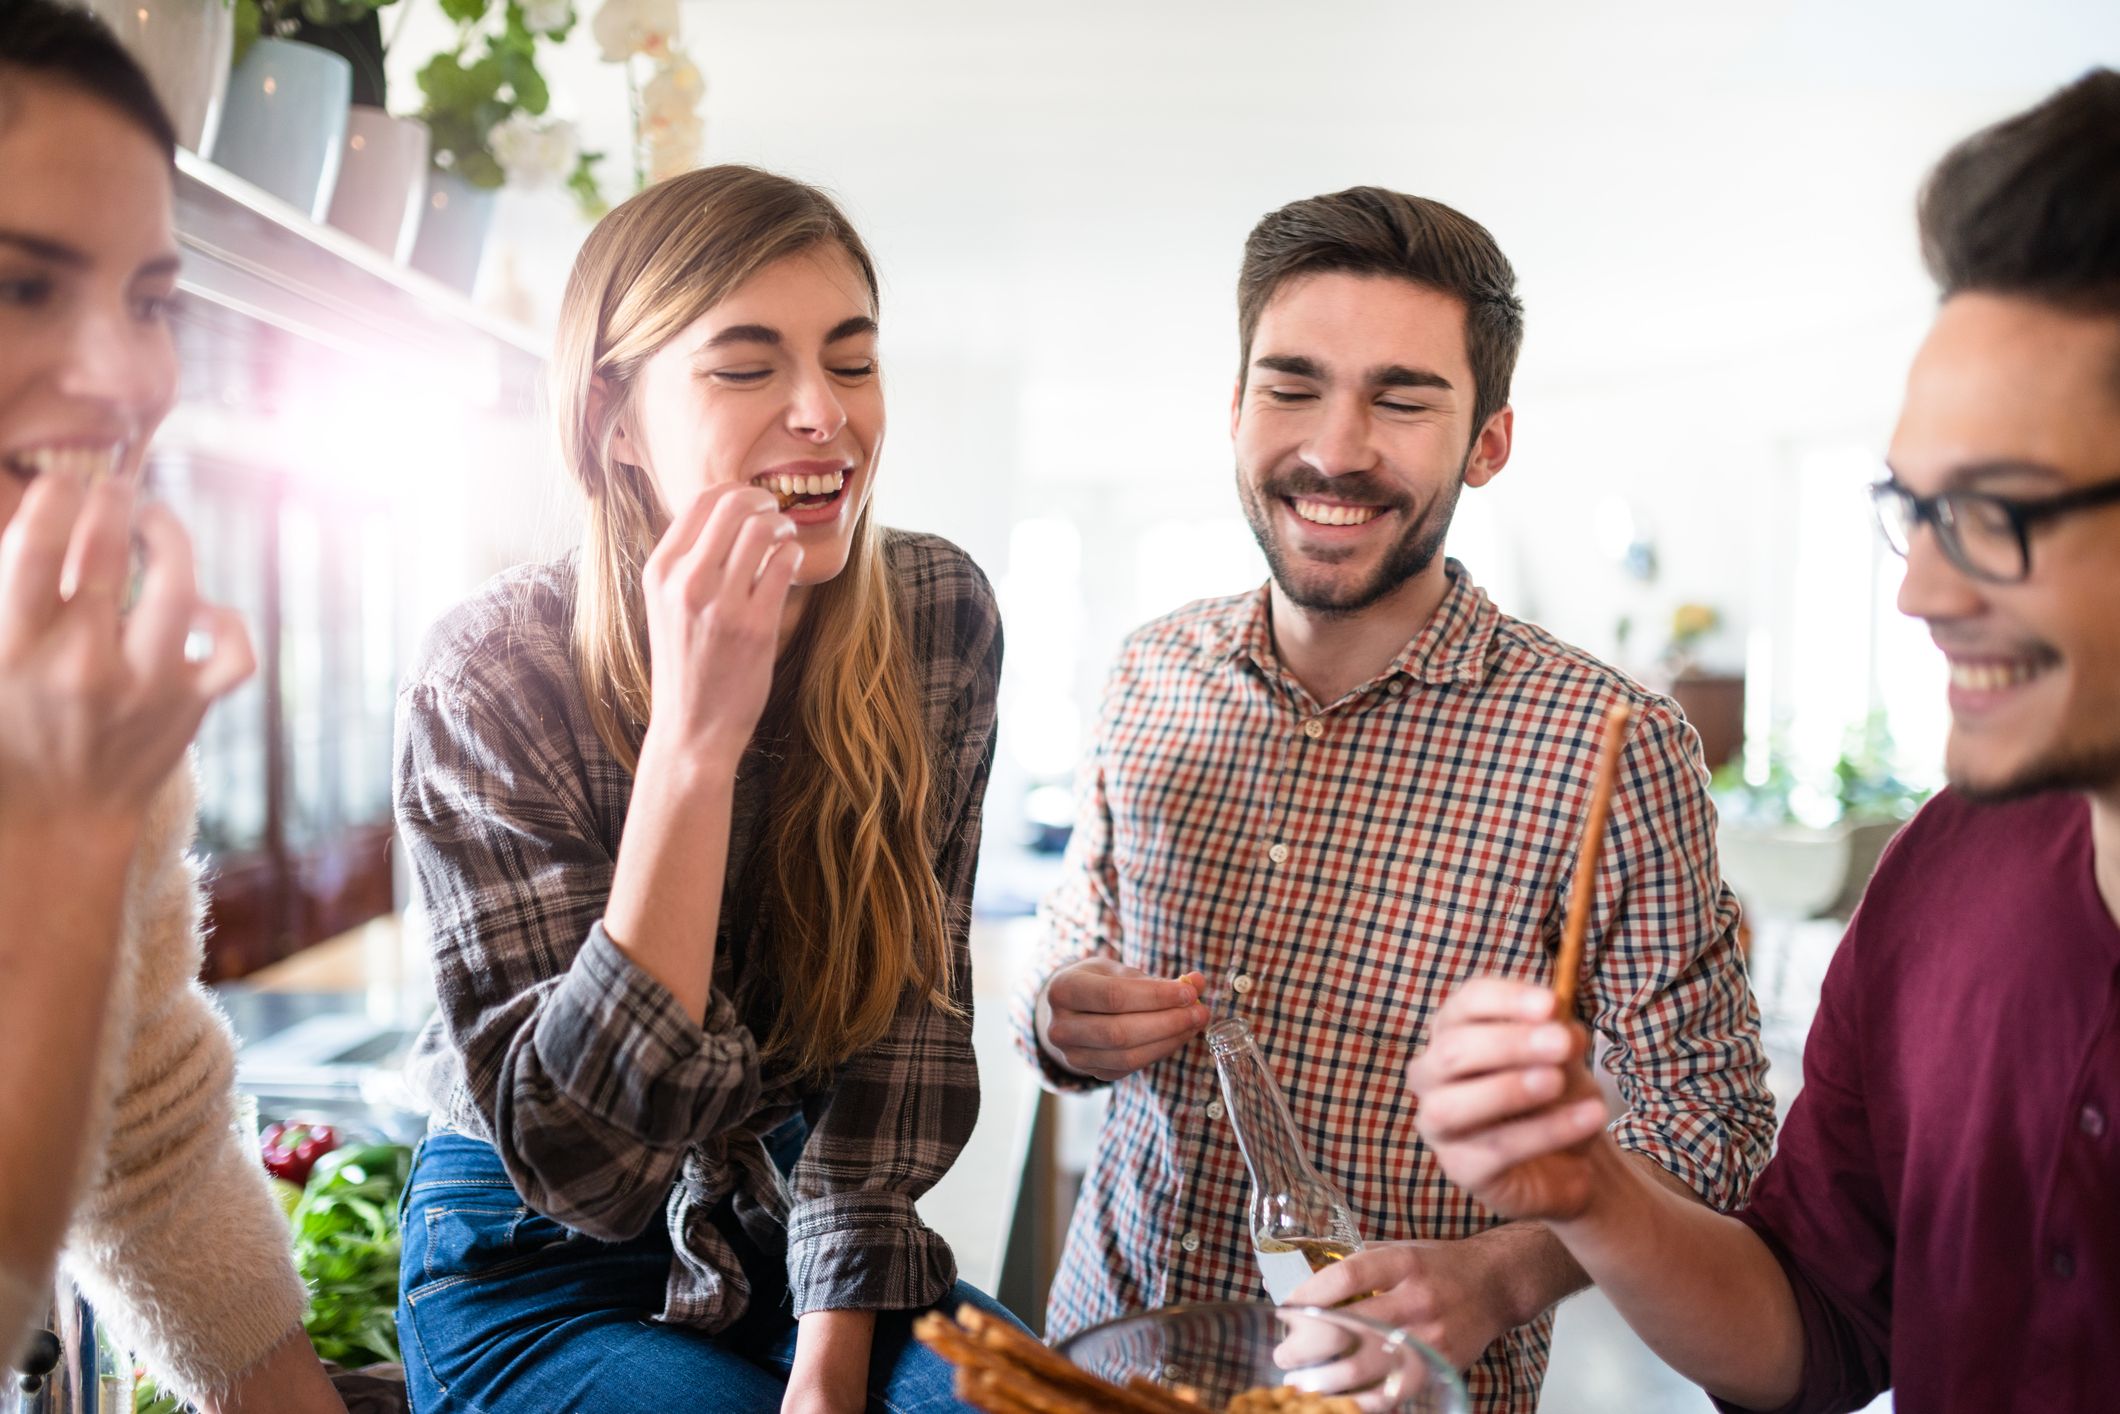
(1709, 208)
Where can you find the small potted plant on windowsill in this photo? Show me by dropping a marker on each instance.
(1798, 849)
(486, 105)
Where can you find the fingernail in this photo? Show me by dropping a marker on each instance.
(1550, 1041)
(1542, 1082)
(1538, 1002)
(1590, 1110)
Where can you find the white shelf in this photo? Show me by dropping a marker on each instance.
(259, 258)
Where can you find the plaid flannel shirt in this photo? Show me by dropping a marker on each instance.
(609, 1105)
(1335, 871)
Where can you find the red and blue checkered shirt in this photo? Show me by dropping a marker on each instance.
(1335, 871)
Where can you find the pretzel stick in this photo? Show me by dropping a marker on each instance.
(1026, 1389)
(1033, 1355)
(985, 1344)
(998, 1335)
(1593, 842)
(980, 1363)
(976, 1388)
(1055, 1370)
(946, 1339)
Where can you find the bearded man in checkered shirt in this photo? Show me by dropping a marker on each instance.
(1321, 805)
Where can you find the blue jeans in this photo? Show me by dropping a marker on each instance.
(503, 1311)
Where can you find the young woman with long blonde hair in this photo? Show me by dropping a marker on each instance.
(694, 813)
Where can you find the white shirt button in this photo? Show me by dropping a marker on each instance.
(1313, 729)
(1278, 854)
(1190, 1242)
(1395, 688)
(1214, 1109)
(1241, 983)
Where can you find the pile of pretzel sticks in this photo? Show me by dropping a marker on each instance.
(1003, 1371)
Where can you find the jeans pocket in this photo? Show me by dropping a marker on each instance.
(473, 1237)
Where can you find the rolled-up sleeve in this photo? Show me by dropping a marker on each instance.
(902, 1110)
(586, 1074)
(1667, 978)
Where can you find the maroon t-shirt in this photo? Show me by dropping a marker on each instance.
(1946, 1195)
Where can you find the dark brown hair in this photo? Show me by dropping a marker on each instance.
(71, 46)
(2031, 205)
(1371, 231)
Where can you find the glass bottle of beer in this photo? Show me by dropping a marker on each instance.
(1299, 1222)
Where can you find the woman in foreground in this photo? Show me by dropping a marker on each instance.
(117, 1122)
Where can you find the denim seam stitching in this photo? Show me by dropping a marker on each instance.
(440, 1284)
(433, 1184)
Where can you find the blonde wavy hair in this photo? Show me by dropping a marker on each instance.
(856, 914)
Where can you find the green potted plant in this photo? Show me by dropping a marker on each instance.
(1805, 848)
(485, 105)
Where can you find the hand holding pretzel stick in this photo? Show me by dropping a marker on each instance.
(1506, 1103)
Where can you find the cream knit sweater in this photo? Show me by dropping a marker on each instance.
(176, 1240)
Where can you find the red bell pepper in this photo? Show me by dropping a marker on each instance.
(291, 1148)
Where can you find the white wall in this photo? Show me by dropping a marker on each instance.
(1709, 208)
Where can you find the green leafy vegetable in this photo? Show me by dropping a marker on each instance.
(151, 1398)
(346, 1248)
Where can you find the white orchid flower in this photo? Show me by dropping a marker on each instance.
(676, 87)
(623, 28)
(534, 154)
(547, 16)
(672, 142)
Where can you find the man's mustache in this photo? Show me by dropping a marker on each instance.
(1353, 489)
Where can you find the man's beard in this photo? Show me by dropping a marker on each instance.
(2095, 769)
(1407, 557)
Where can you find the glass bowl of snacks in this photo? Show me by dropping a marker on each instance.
(1210, 1358)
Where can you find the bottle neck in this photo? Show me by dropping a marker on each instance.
(1273, 1148)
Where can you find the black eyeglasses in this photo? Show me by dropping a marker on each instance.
(1989, 537)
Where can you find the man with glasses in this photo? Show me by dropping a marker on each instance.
(1941, 1213)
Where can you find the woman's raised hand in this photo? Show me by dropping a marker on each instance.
(715, 587)
(97, 706)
